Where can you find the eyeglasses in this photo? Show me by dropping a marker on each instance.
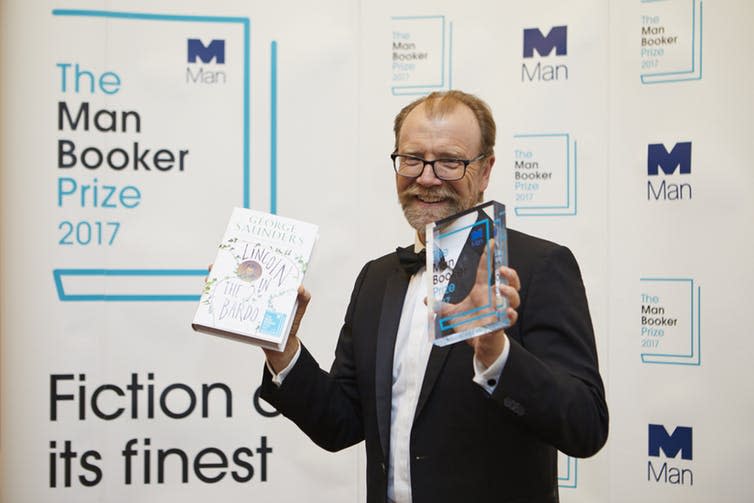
(411, 166)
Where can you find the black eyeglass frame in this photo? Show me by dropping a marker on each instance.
(424, 162)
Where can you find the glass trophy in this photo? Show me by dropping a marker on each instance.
(464, 255)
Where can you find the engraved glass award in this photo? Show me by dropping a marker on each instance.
(464, 255)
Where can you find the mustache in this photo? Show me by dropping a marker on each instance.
(441, 192)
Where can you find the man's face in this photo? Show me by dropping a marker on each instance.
(456, 135)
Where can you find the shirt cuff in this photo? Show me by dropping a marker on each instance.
(488, 377)
(277, 379)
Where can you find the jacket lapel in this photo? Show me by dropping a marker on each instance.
(390, 317)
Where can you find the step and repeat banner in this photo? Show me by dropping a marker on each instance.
(129, 131)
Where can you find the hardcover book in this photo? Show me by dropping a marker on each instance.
(250, 293)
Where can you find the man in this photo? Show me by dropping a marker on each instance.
(466, 422)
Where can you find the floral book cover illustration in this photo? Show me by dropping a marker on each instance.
(250, 292)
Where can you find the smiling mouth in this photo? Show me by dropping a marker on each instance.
(430, 200)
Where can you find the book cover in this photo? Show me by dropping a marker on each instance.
(250, 293)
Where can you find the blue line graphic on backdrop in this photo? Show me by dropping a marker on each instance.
(694, 354)
(570, 478)
(695, 70)
(273, 127)
(450, 55)
(568, 205)
(414, 53)
(59, 274)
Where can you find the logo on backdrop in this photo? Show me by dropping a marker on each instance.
(544, 174)
(421, 54)
(76, 157)
(670, 41)
(670, 321)
(111, 153)
(202, 61)
(215, 50)
(672, 453)
(664, 165)
(538, 51)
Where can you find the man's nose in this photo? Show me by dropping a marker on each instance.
(428, 177)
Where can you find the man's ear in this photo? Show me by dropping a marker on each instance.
(486, 171)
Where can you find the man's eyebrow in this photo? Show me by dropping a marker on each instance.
(450, 154)
(444, 152)
(411, 151)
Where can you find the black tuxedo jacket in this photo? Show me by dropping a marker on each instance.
(466, 445)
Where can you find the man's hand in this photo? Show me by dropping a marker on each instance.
(488, 347)
(279, 360)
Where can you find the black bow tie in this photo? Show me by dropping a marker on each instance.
(411, 261)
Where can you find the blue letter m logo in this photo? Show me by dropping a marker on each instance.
(557, 38)
(659, 157)
(215, 50)
(680, 440)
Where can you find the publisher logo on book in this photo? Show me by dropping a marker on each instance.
(670, 455)
(668, 171)
(539, 50)
(205, 62)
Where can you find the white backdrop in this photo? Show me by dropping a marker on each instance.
(631, 118)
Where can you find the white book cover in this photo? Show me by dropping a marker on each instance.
(250, 293)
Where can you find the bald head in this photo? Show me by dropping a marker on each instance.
(438, 104)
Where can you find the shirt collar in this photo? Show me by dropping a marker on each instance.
(418, 245)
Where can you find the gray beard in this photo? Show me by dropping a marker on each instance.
(418, 218)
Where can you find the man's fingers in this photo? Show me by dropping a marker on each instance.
(303, 298)
(510, 293)
(303, 293)
(481, 271)
(511, 277)
(446, 309)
